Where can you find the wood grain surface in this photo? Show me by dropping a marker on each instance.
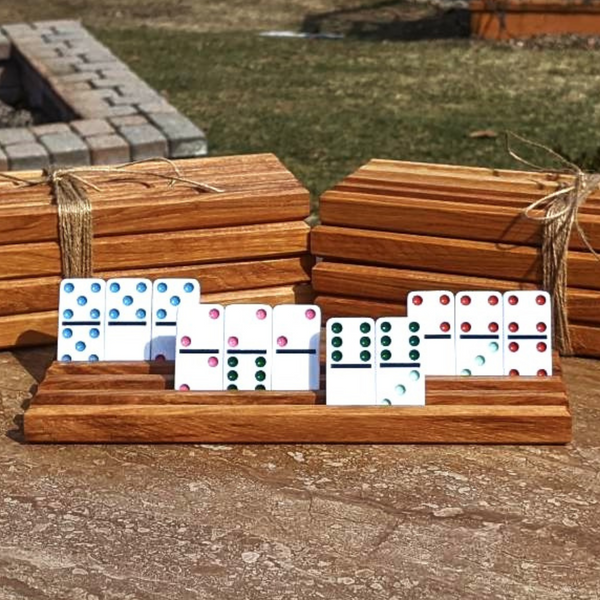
(395, 226)
(298, 424)
(419, 522)
(144, 389)
(445, 218)
(164, 249)
(395, 175)
(256, 183)
(481, 173)
(95, 402)
(467, 195)
(246, 171)
(390, 284)
(546, 180)
(40, 294)
(158, 396)
(77, 375)
(132, 382)
(290, 294)
(124, 368)
(138, 383)
(520, 263)
(123, 389)
(249, 234)
(351, 306)
(170, 212)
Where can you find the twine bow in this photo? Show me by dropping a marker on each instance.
(560, 216)
(75, 225)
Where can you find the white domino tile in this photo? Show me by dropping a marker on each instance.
(399, 378)
(350, 361)
(527, 333)
(128, 329)
(434, 310)
(199, 358)
(248, 347)
(296, 337)
(169, 296)
(479, 333)
(81, 320)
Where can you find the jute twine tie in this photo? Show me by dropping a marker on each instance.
(560, 216)
(75, 224)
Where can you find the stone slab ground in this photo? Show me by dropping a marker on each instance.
(178, 522)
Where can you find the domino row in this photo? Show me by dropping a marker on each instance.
(387, 361)
(121, 319)
(484, 332)
(248, 347)
(374, 362)
(135, 319)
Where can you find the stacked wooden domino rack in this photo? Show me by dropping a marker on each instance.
(392, 227)
(248, 243)
(388, 229)
(136, 403)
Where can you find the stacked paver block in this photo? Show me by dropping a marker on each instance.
(109, 114)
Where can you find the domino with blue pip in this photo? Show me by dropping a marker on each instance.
(128, 328)
(81, 306)
(168, 296)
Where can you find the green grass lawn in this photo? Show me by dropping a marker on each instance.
(326, 107)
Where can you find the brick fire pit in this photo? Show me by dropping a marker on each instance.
(100, 112)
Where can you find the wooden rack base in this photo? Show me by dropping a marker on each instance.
(132, 403)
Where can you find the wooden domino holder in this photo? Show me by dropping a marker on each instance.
(104, 403)
(393, 227)
(249, 243)
(134, 402)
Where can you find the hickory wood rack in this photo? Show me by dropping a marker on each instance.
(134, 402)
